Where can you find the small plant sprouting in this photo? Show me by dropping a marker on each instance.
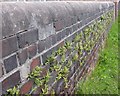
(35, 73)
(63, 59)
(45, 89)
(67, 45)
(57, 67)
(77, 38)
(75, 57)
(47, 77)
(102, 17)
(61, 50)
(45, 81)
(51, 59)
(69, 63)
(77, 47)
(59, 76)
(63, 74)
(81, 62)
(13, 91)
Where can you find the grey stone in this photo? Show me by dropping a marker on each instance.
(10, 63)
(14, 19)
(50, 30)
(0, 22)
(27, 38)
(8, 83)
(69, 39)
(41, 46)
(58, 10)
(63, 34)
(68, 31)
(32, 51)
(1, 70)
(54, 39)
(46, 31)
(68, 21)
(0, 89)
(22, 56)
(48, 42)
(58, 36)
(0, 49)
(9, 46)
(74, 27)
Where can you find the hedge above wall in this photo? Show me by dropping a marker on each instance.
(40, 33)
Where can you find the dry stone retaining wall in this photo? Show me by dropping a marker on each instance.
(51, 35)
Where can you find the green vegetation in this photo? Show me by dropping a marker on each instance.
(104, 79)
(13, 91)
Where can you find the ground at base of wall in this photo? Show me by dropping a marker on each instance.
(104, 79)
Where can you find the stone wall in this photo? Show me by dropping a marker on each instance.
(62, 38)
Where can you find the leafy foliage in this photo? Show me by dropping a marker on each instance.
(13, 91)
(104, 78)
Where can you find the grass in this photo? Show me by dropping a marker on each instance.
(104, 79)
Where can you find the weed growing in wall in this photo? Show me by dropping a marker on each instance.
(104, 79)
(83, 45)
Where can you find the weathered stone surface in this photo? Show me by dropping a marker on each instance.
(27, 38)
(35, 62)
(9, 46)
(1, 70)
(22, 16)
(54, 39)
(33, 31)
(0, 88)
(8, 82)
(0, 22)
(46, 31)
(22, 56)
(25, 89)
(1, 49)
(13, 19)
(41, 46)
(58, 10)
(48, 42)
(10, 63)
(32, 50)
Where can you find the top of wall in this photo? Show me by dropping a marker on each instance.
(59, 0)
(20, 16)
